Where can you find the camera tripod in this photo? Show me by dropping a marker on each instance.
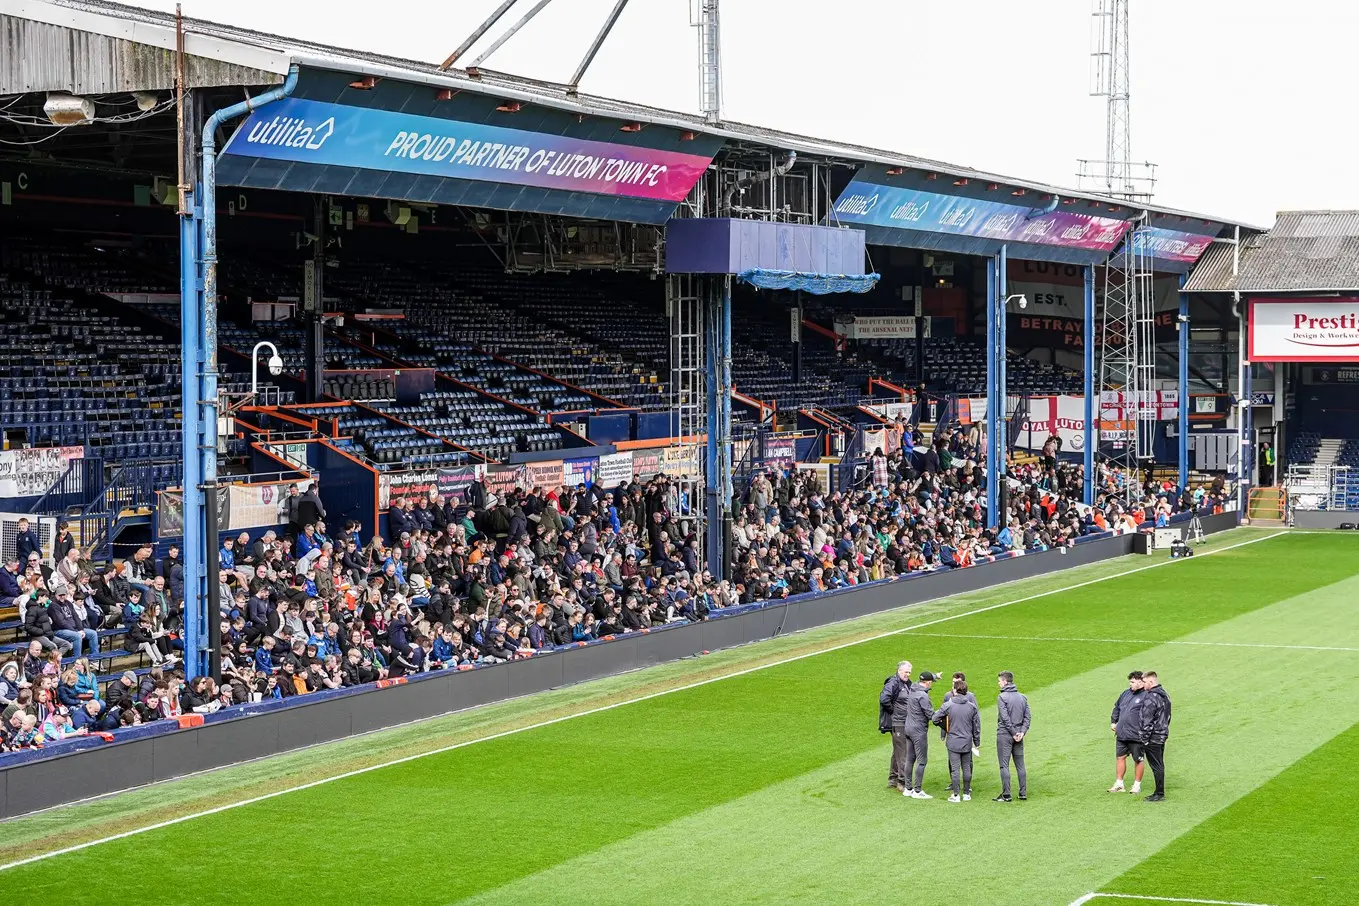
(1195, 532)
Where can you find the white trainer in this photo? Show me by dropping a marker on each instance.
(1117, 787)
(908, 793)
(967, 797)
(954, 798)
(1136, 788)
(921, 794)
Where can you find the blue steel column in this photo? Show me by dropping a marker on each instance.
(1002, 388)
(1091, 410)
(724, 441)
(1183, 364)
(992, 378)
(191, 433)
(711, 366)
(1246, 461)
(199, 358)
(717, 364)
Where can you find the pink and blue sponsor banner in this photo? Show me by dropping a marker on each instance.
(872, 204)
(315, 132)
(1171, 245)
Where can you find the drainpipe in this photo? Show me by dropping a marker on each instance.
(208, 407)
(210, 202)
(742, 185)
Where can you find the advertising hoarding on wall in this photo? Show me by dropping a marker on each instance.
(879, 327)
(579, 471)
(780, 452)
(1303, 330)
(613, 470)
(30, 472)
(453, 483)
(252, 505)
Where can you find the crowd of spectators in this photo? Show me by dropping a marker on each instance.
(483, 579)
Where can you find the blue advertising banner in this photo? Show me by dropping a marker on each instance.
(1171, 245)
(313, 132)
(871, 204)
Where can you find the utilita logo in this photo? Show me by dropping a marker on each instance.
(291, 132)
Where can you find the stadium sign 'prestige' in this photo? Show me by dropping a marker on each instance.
(315, 132)
(1304, 330)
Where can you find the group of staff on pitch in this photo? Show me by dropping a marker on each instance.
(1140, 723)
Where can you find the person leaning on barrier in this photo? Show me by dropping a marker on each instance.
(892, 705)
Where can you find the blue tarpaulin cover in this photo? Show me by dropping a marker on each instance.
(816, 284)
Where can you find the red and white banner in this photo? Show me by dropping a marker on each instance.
(1065, 417)
(1303, 330)
(1156, 405)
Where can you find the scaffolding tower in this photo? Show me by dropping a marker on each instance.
(689, 389)
(1127, 342)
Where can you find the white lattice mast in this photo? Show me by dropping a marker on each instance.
(1127, 354)
(703, 16)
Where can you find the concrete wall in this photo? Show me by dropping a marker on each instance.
(1324, 519)
(90, 768)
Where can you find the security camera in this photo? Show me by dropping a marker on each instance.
(1023, 302)
(275, 365)
(1183, 319)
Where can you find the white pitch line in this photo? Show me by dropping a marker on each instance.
(1036, 638)
(632, 701)
(1134, 896)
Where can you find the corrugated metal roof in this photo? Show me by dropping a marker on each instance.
(273, 53)
(39, 56)
(1213, 273)
(1306, 251)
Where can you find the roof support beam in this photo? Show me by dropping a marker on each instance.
(574, 85)
(513, 30)
(475, 36)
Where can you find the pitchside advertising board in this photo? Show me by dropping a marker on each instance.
(1304, 330)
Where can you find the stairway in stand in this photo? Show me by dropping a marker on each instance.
(1328, 451)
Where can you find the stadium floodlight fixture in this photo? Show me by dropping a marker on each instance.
(68, 110)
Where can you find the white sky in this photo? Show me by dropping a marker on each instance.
(1245, 106)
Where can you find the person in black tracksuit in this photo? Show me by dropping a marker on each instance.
(892, 705)
(1155, 731)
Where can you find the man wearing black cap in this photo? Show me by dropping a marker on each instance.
(917, 731)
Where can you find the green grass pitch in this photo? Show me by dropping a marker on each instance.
(769, 786)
